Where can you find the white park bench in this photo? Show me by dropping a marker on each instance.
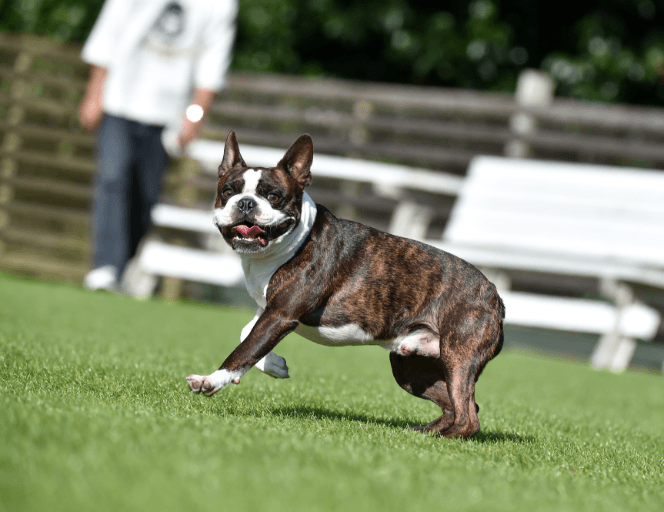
(569, 219)
(579, 220)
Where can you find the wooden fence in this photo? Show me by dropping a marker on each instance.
(47, 161)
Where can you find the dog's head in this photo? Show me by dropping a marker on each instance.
(256, 207)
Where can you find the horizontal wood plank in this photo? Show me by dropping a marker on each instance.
(44, 268)
(40, 212)
(29, 131)
(45, 239)
(52, 187)
(421, 97)
(64, 163)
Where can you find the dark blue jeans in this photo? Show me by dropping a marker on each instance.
(130, 164)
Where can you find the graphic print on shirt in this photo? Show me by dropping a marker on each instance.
(165, 33)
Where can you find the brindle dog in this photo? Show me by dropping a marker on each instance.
(338, 282)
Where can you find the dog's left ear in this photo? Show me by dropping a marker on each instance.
(297, 160)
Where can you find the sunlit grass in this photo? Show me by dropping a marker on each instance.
(95, 415)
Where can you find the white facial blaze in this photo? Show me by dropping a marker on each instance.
(251, 179)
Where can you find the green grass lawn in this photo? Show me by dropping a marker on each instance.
(95, 414)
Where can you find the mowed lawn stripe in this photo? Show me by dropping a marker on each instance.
(95, 413)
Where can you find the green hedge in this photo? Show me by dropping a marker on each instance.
(610, 50)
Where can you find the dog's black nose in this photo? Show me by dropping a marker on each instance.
(246, 204)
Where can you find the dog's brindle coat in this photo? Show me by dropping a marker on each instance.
(347, 273)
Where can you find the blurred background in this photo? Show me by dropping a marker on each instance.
(408, 85)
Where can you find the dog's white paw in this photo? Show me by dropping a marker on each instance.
(202, 384)
(210, 384)
(273, 365)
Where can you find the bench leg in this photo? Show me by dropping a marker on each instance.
(613, 352)
(623, 354)
(410, 220)
(171, 289)
(137, 282)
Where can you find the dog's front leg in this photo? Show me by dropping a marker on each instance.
(269, 329)
(272, 364)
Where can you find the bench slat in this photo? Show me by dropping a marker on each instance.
(185, 219)
(578, 315)
(191, 264)
(577, 210)
(553, 262)
(563, 183)
(581, 239)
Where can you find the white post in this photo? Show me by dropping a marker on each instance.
(534, 90)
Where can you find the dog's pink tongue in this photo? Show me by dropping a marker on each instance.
(250, 232)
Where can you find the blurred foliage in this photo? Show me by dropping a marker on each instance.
(609, 50)
(64, 19)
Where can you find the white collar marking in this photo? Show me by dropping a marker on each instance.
(259, 268)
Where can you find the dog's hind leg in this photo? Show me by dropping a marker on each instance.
(470, 337)
(423, 377)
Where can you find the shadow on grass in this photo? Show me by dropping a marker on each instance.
(308, 412)
(500, 438)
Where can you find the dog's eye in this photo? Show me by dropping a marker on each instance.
(272, 197)
(226, 193)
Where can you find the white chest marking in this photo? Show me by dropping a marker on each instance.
(258, 270)
(349, 334)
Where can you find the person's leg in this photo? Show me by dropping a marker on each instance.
(151, 162)
(110, 210)
(136, 210)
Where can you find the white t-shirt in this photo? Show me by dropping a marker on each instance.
(158, 51)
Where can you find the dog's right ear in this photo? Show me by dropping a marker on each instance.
(232, 158)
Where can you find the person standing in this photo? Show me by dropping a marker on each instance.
(156, 67)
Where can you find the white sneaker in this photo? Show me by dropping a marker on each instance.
(102, 278)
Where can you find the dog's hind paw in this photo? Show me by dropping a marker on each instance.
(273, 365)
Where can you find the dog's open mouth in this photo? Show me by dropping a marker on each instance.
(249, 234)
